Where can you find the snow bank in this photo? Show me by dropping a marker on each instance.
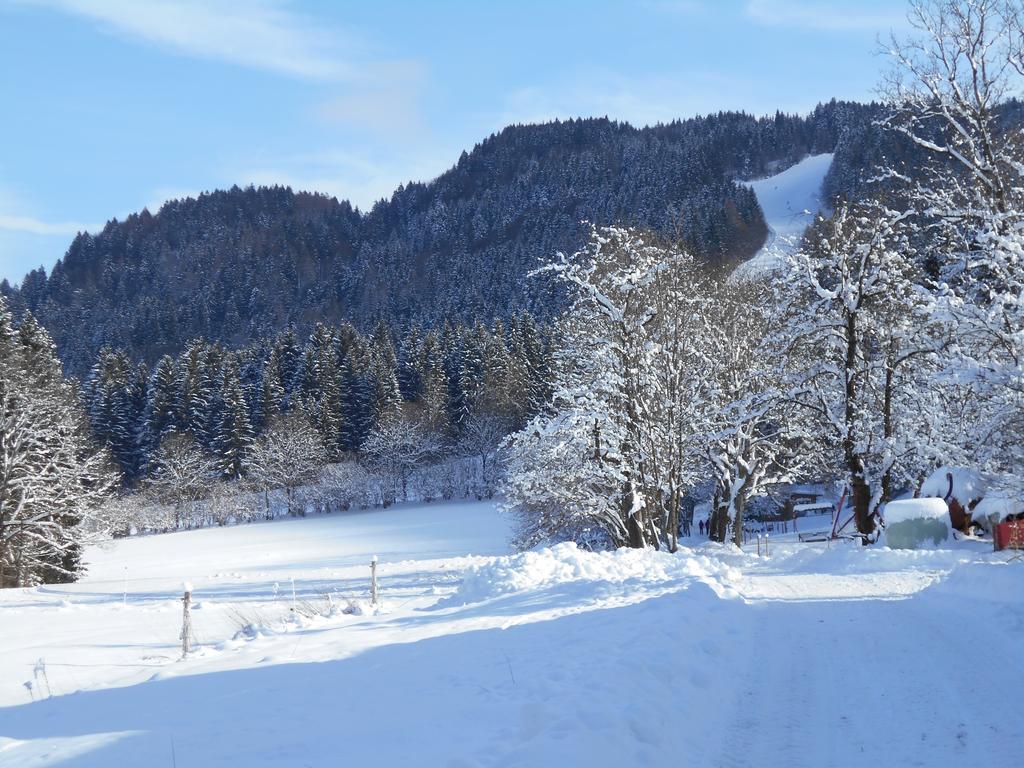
(853, 559)
(967, 484)
(565, 563)
(996, 582)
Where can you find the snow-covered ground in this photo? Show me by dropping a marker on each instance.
(790, 201)
(815, 656)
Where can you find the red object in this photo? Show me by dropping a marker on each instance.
(1009, 535)
(839, 511)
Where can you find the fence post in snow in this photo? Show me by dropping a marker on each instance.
(186, 621)
(373, 580)
(766, 545)
(759, 545)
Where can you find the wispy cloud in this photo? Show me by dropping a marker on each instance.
(370, 92)
(263, 34)
(34, 226)
(18, 214)
(828, 16)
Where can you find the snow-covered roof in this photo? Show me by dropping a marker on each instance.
(999, 506)
(915, 509)
(968, 484)
(809, 507)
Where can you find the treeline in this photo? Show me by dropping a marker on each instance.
(459, 388)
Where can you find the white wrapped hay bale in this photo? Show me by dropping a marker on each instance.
(914, 523)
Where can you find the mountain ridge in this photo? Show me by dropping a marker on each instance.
(234, 265)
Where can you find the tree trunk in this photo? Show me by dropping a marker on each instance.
(860, 495)
(737, 534)
(672, 534)
(718, 522)
(634, 525)
(887, 424)
(860, 492)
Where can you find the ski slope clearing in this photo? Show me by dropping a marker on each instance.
(790, 202)
(815, 656)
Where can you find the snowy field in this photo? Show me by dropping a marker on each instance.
(815, 656)
(790, 202)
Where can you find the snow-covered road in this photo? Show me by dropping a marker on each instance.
(814, 657)
(896, 677)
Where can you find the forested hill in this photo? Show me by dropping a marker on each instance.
(235, 265)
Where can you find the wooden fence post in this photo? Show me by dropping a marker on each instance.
(373, 580)
(186, 621)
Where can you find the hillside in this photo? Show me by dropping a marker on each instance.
(709, 657)
(240, 264)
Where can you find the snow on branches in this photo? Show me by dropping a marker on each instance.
(950, 94)
(52, 478)
(655, 388)
(860, 347)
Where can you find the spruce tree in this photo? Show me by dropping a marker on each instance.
(160, 416)
(273, 399)
(234, 438)
(52, 476)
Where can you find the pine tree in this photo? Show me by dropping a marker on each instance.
(288, 358)
(410, 380)
(357, 398)
(386, 402)
(52, 477)
(433, 388)
(235, 437)
(331, 409)
(115, 405)
(470, 381)
(160, 418)
(273, 399)
(195, 383)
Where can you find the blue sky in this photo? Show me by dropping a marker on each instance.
(113, 105)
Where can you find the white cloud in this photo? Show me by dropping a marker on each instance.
(262, 34)
(34, 226)
(17, 216)
(370, 92)
(832, 16)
